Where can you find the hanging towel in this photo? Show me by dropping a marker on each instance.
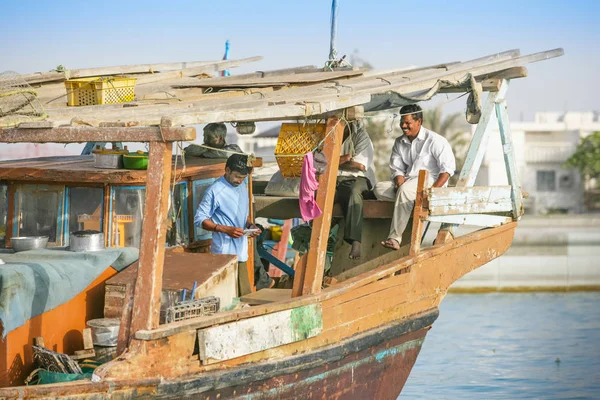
(309, 209)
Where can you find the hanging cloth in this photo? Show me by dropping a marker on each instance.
(309, 209)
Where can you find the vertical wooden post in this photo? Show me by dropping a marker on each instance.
(148, 286)
(507, 149)
(299, 273)
(315, 261)
(251, 260)
(106, 215)
(418, 214)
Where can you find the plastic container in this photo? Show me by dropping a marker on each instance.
(107, 158)
(105, 331)
(100, 90)
(137, 160)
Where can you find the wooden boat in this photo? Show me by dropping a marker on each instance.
(357, 338)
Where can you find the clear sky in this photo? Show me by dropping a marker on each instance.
(40, 35)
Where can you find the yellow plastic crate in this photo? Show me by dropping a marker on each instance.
(99, 90)
(296, 138)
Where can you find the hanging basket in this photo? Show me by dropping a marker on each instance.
(295, 140)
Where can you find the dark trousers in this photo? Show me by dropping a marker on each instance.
(349, 195)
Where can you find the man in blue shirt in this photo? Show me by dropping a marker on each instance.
(224, 211)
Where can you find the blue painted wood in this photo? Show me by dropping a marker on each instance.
(509, 157)
(275, 261)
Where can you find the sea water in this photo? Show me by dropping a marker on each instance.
(511, 346)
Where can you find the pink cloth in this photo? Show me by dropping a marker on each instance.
(309, 209)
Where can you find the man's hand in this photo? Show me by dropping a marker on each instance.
(398, 181)
(252, 226)
(345, 158)
(231, 231)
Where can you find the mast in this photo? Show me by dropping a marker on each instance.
(333, 34)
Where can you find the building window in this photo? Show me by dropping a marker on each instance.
(546, 181)
(566, 182)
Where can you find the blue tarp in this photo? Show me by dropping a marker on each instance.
(35, 281)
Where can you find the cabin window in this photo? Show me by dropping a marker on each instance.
(126, 215)
(199, 188)
(39, 211)
(85, 208)
(3, 214)
(177, 233)
(546, 181)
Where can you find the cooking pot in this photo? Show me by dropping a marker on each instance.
(86, 241)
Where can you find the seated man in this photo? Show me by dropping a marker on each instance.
(356, 176)
(214, 136)
(417, 149)
(224, 211)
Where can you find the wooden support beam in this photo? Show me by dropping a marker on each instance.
(299, 274)
(148, 286)
(419, 214)
(81, 134)
(509, 157)
(316, 255)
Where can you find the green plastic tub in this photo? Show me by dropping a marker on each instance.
(138, 160)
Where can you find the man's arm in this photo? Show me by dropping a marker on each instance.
(446, 162)
(441, 180)
(228, 230)
(397, 166)
(347, 163)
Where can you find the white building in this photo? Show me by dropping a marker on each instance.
(541, 147)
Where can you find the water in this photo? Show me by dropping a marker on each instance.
(511, 346)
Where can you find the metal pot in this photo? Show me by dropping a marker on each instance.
(86, 241)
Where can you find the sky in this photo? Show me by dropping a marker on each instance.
(40, 35)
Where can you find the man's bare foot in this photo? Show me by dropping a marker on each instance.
(355, 251)
(391, 244)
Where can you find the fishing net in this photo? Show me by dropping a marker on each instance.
(18, 101)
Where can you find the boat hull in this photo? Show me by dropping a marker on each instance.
(371, 365)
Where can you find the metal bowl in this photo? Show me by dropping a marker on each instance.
(23, 243)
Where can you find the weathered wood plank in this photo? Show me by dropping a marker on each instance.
(419, 213)
(252, 335)
(210, 66)
(471, 219)
(315, 262)
(265, 296)
(280, 80)
(81, 134)
(468, 200)
(148, 286)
